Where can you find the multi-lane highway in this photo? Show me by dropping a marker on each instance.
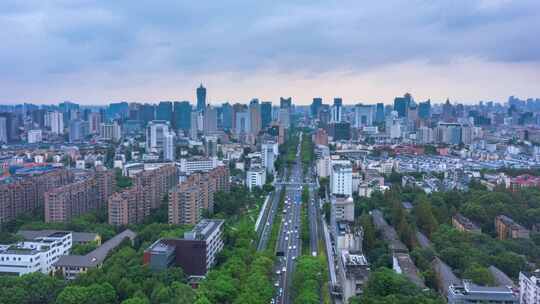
(269, 221)
(289, 246)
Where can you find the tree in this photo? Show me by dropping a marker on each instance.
(73, 295)
(424, 216)
(479, 275)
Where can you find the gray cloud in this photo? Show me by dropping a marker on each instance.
(45, 41)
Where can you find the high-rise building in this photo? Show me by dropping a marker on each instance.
(226, 116)
(255, 177)
(341, 179)
(255, 116)
(242, 123)
(266, 114)
(55, 121)
(285, 102)
(94, 121)
(210, 119)
(133, 204)
(25, 193)
(147, 113)
(169, 146)
(337, 110)
(210, 146)
(379, 115)
(424, 110)
(269, 154)
(363, 115)
(165, 111)
(529, 287)
(194, 125)
(201, 98)
(78, 130)
(189, 199)
(3, 130)
(182, 116)
(315, 106)
(401, 105)
(155, 135)
(110, 131)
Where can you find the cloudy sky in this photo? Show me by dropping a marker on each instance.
(98, 51)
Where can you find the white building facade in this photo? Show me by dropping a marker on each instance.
(341, 179)
(255, 177)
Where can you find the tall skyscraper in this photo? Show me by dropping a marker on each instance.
(201, 98)
(363, 115)
(242, 123)
(3, 130)
(56, 122)
(379, 114)
(401, 104)
(165, 111)
(226, 116)
(255, 116)
(266, 114)
(285, 102)
(147, 113)
(210, 119)
(194, 125)
(315, 106)
(78, 130)
(337, 110)
(182, 116)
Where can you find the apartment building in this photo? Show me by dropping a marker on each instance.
(24, 191)
(508, 229)
(149, 188)
(196, 252)
(36, 255)
(341, 179)
(529, 287)
(464, 224)
(88, 192)
(190, 198)
(255, 177)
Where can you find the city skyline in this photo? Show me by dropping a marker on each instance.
(98, 52)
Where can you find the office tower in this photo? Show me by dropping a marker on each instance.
(424, 110)
(147, 113)
(119, 110)
(155, 135)
(379, 114)
(201, 98)
(266, 114)
(78, 130)
(182, 115)
(285, 103)
(448, 112)
(34, 136)
(242, 123)
(285, 118)
(340, 131)
(320, 137)
(94, 120)
(315, 106)
(324, 114)
(38, 117)
(401, 105)
(169, 146)
(134, 112)
(3, 130)
(210, 119)
(227, 116)
(110, 131)
(194, 125)
(337, 110)
(363, 116)
(255, 116)
(165, 111)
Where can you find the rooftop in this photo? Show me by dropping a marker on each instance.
(203, 229)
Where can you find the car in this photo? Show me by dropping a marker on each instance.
(278, 272)
(294, 247)
(283, 269)
(286, 238)
(294, 257)
(276, 284)
(290, 247)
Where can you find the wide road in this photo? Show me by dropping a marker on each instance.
(289, 242)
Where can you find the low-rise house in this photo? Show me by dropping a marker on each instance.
(464, 224)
